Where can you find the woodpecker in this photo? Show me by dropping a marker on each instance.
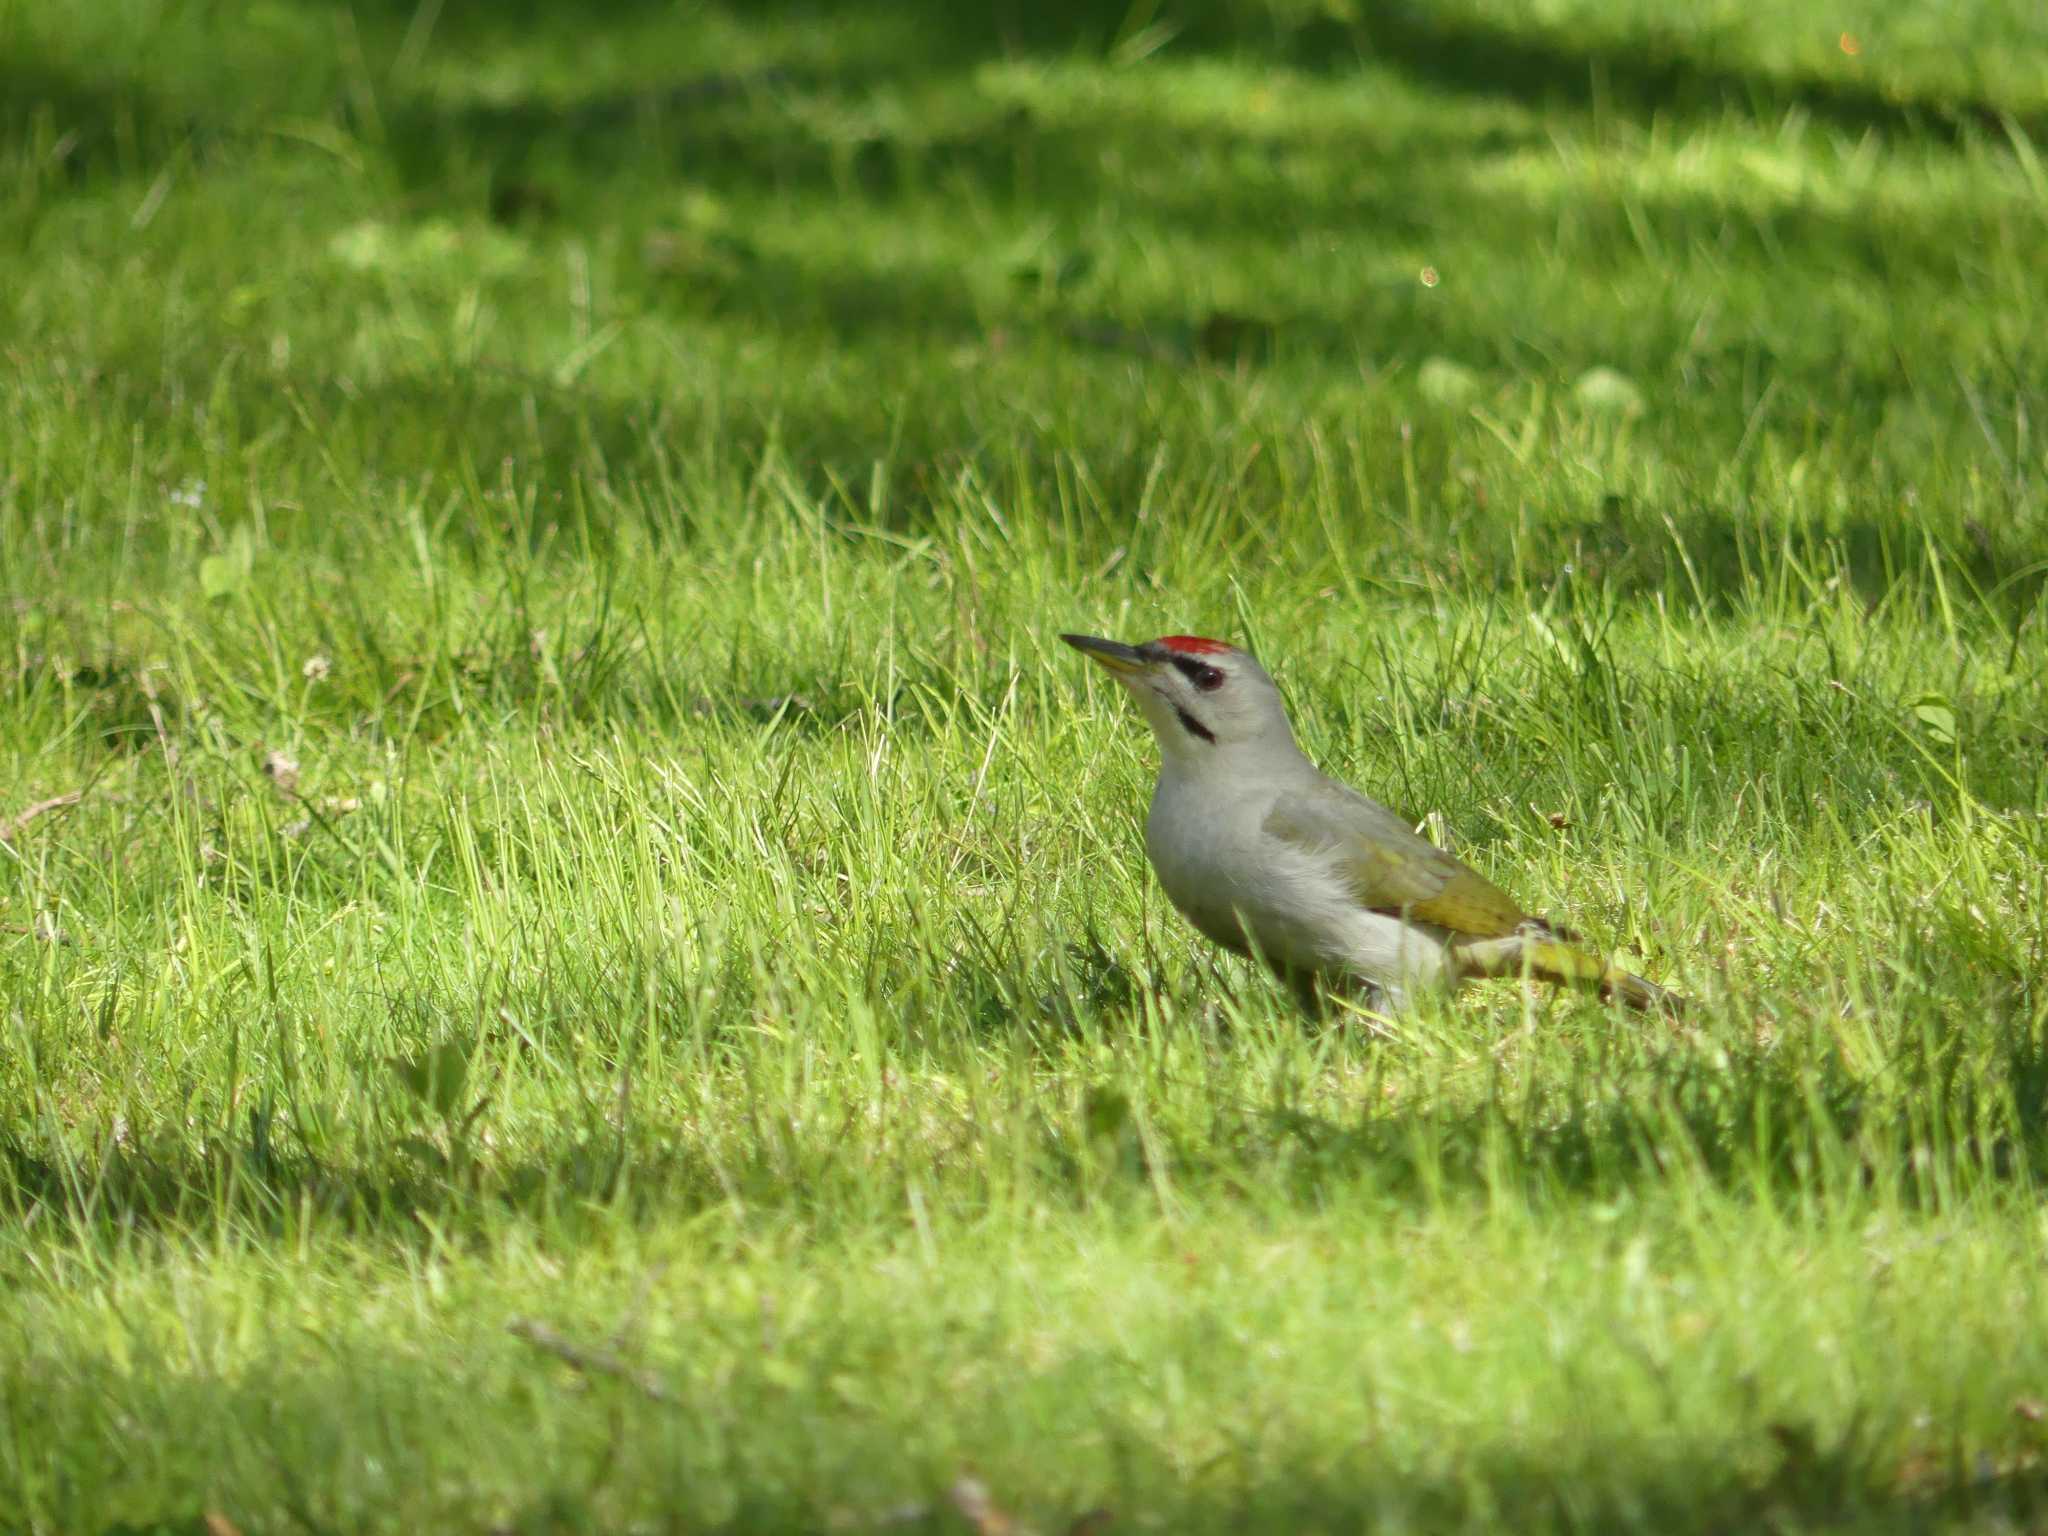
(1268, 857)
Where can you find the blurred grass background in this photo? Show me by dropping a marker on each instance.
(573, 959)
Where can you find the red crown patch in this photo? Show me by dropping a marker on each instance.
(1193, 645)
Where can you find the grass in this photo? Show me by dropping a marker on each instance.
(600, 974)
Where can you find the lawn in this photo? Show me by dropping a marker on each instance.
(575, 955)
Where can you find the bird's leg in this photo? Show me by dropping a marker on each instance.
(1335, 999)
(1308, 992)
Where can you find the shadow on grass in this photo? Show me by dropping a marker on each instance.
(289, 1434)
(1445, 44)
(1945, 1114)
(275, 1187)
(1650, 76)
(1951, 1112)
(1634, 1487)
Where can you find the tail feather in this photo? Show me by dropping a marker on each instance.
(1540, 952)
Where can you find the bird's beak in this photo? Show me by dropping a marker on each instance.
(1124, 660)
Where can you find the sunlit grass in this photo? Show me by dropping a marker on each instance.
(601, 975)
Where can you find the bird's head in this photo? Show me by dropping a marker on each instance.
(1201, 697)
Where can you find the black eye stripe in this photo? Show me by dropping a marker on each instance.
(1201, 674)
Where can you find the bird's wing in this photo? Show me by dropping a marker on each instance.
(1389, 866)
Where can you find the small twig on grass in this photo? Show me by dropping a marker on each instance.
(13, 827)
(588, 1361)
(630, 1323)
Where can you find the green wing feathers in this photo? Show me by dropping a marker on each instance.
(1391, 867)
(1394, 869)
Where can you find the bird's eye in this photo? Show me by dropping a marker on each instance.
(1200, 673)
